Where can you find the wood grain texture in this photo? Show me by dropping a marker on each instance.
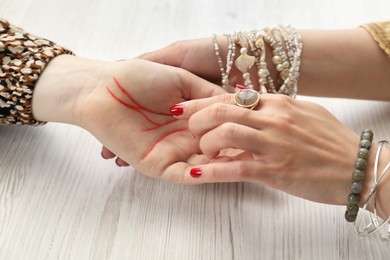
(60, 200)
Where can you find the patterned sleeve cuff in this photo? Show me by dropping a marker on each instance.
(22, 59)
(381, 33)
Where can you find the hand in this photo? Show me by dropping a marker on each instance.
(294, 146)
(128, 110)
(198, 56)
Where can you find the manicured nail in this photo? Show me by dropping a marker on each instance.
(239, 87)
(196, 172)
(103, 155)
(117, 162)
(176, 110)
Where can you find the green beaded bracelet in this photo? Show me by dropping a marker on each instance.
(358, 175)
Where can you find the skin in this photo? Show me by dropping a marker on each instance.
(334, 63)
(302, 150)
(322, 52)
(125, 105)
(318, 151)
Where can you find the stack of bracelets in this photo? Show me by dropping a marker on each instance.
(351, 214)
(373, 222)
(286, 45)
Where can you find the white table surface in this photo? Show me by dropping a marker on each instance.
(60, 200)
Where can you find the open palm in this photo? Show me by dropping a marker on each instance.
(130, 115)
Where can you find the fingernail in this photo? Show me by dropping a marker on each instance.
(117, 162)
(196, 172)
(176, 110)
(103, 155)
(239, 87)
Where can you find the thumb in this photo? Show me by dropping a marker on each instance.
(194, 87)
(162, 56)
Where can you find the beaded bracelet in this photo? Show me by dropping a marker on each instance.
(229, 61)
(366, 138)
(258, 49)
(263, 73)
(286, 45)
(294, 51)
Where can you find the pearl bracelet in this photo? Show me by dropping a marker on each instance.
(229, 61)
(286, 45)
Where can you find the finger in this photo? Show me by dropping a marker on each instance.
(233, 171)
(231, 135)
(192, 88)
(215, 172)
(191, 55)
(107, 154)
(217, 114)
(188, 108)
(164, 55)
(196, 159)
(195, 87)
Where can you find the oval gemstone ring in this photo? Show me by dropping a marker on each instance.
(247, 98)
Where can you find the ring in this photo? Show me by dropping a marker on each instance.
(247, 98)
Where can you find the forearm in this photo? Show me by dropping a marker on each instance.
(344, 63)
(334, 63)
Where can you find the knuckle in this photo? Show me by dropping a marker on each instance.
(219, 112)
(284, 120)
(281, 102)
(243, 171)
(225, 98)
(285, 100)
(229, 132)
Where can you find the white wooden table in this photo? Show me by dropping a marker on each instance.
(60, 200)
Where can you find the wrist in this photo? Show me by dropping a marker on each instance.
(63, 86)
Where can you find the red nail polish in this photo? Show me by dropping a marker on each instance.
(117, 162)
(176, 110)
(103, 155)
(239, 87)
(196, 172)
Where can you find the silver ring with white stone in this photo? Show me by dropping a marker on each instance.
(247, 98)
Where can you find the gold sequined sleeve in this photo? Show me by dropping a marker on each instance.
(381, 33)
(23, 57)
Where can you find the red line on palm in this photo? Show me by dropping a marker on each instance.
(137, 107)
